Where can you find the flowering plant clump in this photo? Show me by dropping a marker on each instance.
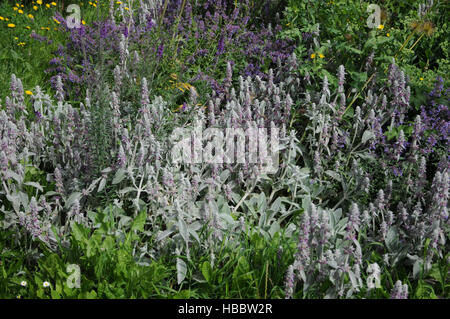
(178, 149)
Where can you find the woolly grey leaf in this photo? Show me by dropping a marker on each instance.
(102, 184)
(35, 185)
(182, 227)
(120, 175)
(367, 136)
(181, 270)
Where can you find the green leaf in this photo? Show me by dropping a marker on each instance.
(139, 221)
(207, 271)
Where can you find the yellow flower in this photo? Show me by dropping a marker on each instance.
(119, 2)
(126, 8)
(47, 5)
(47, 28)
(56, 21)
(321, 55)
(35, 8)
(15, 9)
(388, 35)
(39, 1)
(1, 18)
(83, 22)
(11, 25)
(20, 11)
(30, 16)
(16, 38)
(28, 92)
(313, 56)
(380, 27)
(421, 79)
(53, 4)
(27, 27)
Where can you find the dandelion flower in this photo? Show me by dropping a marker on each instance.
(27, 27)
(15, 9)
(28, 92)
(20, 11)
(46, 284)
(47, 5)
(56, 21)
(23, 283)
(380, 27)
(119, 2)
(30, 16)
(313, 56)
(53, 4)
(1, 18)
(388, 35)
(11, 25)
(421, 79)
(39, 1)
(321, 55)
(35, 8)
(83, 22)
